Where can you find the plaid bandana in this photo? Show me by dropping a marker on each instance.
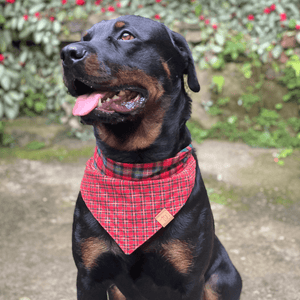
(133, 201)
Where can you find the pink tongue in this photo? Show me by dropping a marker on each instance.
(86, 103)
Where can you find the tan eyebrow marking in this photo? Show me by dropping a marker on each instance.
(119, 24)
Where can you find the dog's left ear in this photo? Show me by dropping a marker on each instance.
(186, 53)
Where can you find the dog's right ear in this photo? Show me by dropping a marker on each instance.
(186, 53)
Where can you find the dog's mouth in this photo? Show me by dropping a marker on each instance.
(102, 101)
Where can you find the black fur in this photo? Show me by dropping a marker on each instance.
(146, 274)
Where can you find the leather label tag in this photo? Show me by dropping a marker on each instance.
(164, 218)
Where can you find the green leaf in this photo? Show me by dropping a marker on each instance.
(2, 19)
(21, 22)
(16, 96)
(25, 33)
(298, 37)
(277, 51)
(56, 26)
(29, 102)
(216, 49)
(220, 39)
(8, 100)
(36, 8)
(5, 82)
(42, 24)
(287, 97)
(11, 111)
(292, 23)
(198, 10)
(2, 69)
(39, 107)
(61, 15)
(23, 56)
(219, 82)
(14, 23)
(78, 12)
(3, 45)
(38, 37)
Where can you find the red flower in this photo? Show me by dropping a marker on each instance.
(2, 58)
(140, 6)
(103, 10)
(267, 10)
(98, 2)
(201, 18)
(25, 17)
(10, 1)
(214, 26)
(157, 16)
(276, 159)
(37, 15)
(63, 2)
(297, 27)
(111, 8)
(52, 19)
(119, 5)
(157, 1)
(283, 17)
(207, 22)
(273, 7)
(251, 18)
(80, 2)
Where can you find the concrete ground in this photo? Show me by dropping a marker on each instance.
(255, 204)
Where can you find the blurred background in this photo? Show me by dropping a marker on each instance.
(245, 125)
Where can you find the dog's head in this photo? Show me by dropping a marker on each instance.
(120, 65)
(126, 68)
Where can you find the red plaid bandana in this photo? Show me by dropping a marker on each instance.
(133, 201)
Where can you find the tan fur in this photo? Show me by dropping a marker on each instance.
(119, 24)
(115, 294)
(210, 288)
(93, 247)
(179, 254)
(152, 115)
(93, 67)
(166, 68)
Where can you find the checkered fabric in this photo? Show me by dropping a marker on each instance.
(126, 198)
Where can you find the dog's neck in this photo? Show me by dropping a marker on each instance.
(173, 135)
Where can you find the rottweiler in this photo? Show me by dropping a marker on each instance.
(143, 226)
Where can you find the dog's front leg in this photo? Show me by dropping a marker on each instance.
(88, 289)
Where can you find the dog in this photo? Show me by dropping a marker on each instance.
(143, 227)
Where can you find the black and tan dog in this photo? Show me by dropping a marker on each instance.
(127, 75)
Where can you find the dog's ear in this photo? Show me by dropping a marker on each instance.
(186, 53)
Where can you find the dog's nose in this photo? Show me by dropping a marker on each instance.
(73, 53)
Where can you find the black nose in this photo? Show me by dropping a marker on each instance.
(73, 53)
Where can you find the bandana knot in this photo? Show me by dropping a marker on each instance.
(133, 201)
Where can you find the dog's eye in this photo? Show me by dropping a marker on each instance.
(126, 36)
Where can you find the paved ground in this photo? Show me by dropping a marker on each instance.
(258, 222)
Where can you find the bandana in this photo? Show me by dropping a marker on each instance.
(133, 201)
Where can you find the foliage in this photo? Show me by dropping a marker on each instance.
(218, 83)
(246, 32)
(291, 79)
(33, 103)
(282, 153)
(29, 44)
(236, 27)
(248, 100)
